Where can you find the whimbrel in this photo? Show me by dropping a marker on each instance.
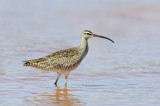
(64, 61)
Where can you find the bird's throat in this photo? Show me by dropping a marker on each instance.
(83, 47)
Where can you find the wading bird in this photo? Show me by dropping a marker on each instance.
(64, 61)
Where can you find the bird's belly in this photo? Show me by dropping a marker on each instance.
(59, 68)
(67, 68)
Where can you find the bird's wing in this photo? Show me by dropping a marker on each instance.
(63, 53)
(63, 57)
(58, 59)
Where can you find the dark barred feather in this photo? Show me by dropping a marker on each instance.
(26, 64)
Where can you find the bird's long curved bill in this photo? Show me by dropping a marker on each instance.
(103, 37)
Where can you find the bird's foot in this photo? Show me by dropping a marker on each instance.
(55, 84)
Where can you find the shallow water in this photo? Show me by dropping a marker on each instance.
(124, 73)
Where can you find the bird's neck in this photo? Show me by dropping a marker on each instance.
(84, 43)
(83, 47)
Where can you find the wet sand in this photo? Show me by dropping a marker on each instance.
(124, 73)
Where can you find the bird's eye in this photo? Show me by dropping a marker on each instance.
(88, 34)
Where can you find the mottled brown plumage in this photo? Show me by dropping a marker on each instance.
(66, 60)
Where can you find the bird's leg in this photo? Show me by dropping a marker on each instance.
(58, 75)
(66, 77)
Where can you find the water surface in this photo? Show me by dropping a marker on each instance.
(124, 73)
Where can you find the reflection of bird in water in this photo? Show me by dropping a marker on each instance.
(65, 60)
(60, 97)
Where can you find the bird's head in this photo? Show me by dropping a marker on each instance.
(88, 34)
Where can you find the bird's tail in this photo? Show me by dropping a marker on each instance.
(27, 64)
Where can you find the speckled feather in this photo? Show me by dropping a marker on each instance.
(62, 60)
